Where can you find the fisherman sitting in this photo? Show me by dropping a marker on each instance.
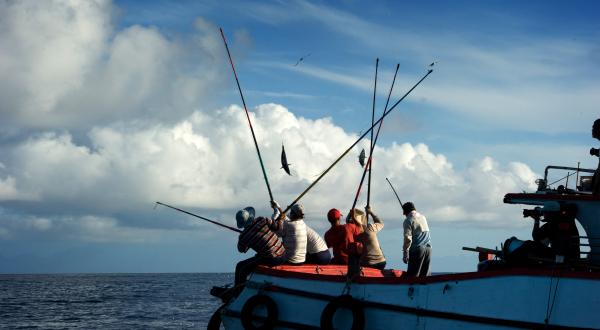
(317, 251)
(554, 242)
(259, 234)
(339, 237)
(559, 232)
(293, 235)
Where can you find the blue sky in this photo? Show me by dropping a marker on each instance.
(114, 105)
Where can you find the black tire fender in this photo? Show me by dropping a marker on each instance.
(343, 301)
(248, 311)
(215, 320)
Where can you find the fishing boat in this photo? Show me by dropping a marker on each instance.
(537, 294)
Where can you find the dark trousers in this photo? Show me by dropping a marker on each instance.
(419, 259)
(380, 266)
(319, 258)
(245, 267)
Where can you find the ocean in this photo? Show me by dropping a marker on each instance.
(109, 301)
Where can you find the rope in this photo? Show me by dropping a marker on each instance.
(550, 302)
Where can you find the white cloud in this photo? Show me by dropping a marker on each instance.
(134, 93)
(69, 68)
(208, 161)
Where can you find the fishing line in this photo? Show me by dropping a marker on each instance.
(368, 165)
(358, 140)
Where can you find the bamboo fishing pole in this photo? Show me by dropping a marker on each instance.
(247, 116)
(372, 145)
(200, 217)
(368, 165)
(356, 142)
(394, 190)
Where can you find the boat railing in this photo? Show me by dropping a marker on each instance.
(583, 183)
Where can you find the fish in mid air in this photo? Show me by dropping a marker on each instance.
(361, 158)
(284, 164)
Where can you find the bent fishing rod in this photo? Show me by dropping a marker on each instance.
(395, 193)
(200, 217)
(247, 116)
(374, 142)
(356, 142)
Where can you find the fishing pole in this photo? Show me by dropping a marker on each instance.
(362, 179)
(395, 193)
(356, 142)
(197, 216)
(372, 145)
(247, 116)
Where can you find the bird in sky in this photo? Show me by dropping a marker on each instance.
(302, 59)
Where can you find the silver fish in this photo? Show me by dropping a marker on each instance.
(361, 158)
(284, 164)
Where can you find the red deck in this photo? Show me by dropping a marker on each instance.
(337, 273)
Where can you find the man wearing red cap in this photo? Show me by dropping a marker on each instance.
(339, 237)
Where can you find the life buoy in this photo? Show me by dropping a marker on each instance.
(248, 311)
(215, 320)
(343, 301)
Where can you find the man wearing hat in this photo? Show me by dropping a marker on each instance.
(372, 255)
(596, 152)
(294, 237)
(417, 242)
(339, 237)
(259, 234)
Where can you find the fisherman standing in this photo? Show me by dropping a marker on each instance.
(372, 255)
(596, 152)
(259, 235)
(417, 242)
(339, 237)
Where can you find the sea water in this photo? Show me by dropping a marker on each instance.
(108, 301)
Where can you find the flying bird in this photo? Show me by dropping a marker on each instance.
(302, 59)
(361, 158)
(284, 164)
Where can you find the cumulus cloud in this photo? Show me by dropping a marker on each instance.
(208, 161)
(70, 68)
(117, 125)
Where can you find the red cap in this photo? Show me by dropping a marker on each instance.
(334, 214)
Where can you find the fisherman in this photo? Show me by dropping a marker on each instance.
(417, 242)
(596, 152)
(372, 256)
(317, 251)
(293, 234)
(559, 232)
(339, 237)
(259, 234)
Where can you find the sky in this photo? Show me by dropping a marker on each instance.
(109, 106)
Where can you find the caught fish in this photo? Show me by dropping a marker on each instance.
(284, 164)
(361, 158)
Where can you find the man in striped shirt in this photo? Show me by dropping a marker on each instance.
(258, 235)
